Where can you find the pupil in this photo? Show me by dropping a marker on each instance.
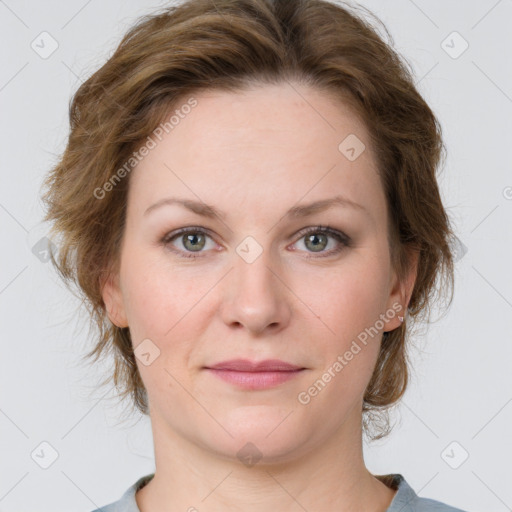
(316, 246)
(192, 240)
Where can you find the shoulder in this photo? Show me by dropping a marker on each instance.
(127, 502)
(427, 505)
(406, 499)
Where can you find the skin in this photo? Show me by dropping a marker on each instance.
(254, 155)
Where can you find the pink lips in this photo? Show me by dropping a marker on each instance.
(255, 375)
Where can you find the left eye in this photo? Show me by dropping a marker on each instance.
(316, 240)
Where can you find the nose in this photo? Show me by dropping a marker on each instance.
(255, 296)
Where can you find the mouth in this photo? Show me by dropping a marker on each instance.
(251, 375)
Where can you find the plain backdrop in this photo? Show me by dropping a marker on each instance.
(452, 437)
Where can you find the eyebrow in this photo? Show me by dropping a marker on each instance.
(299, 211)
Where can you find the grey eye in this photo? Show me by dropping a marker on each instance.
(193, 241)
(316, 242)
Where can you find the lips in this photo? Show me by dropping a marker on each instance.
(252, 375)
(245, 365)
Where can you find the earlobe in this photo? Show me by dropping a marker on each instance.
(113, 300)
(408, 285)
(401, 293)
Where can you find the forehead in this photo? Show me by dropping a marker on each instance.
(271, 142)
(286, 113)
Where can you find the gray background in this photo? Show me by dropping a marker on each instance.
(461, 388)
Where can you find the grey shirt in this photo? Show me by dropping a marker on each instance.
(405, 500)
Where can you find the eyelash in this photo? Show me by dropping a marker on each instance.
(342, 238)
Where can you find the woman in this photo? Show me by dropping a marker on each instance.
(248, 201)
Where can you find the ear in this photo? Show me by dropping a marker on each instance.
(113, 299)
(401, 291)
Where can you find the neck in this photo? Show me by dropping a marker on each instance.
(330, 477)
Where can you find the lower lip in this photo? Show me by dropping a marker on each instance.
(255, 380)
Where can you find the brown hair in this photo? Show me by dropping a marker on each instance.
(227, 45)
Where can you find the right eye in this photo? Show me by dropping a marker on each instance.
(192, 240)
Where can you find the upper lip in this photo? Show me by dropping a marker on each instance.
(245, 365)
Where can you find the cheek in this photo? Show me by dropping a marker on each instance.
(349, 305)
(148, 303)
(172, 308)
(349, 298)
(156, 296)
(159, 307)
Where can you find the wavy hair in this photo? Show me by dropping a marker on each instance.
(228, 45)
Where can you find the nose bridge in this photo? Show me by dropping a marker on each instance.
(256, 298)
(253, 270)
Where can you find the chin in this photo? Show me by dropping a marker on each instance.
(261, 435)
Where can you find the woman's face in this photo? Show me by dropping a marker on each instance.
(258, 279)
